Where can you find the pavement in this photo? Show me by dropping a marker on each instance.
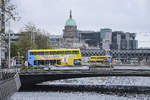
(70, 68)
(132, 67)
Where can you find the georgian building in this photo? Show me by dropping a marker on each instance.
(70, 34)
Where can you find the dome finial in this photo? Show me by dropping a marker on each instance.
(70, 21)
(71, 14)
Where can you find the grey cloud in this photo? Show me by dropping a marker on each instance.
(126, 15)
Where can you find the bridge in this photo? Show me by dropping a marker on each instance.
(10, 82)
(136, 53)
(29, 77)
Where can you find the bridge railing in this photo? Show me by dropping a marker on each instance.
(8, 73)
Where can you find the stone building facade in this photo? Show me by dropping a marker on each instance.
(70, 34)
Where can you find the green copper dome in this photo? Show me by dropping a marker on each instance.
(70, 21)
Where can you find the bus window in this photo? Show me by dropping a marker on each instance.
(40, 53)
(40, 62)
(100, 57)
(31, 53)
(75, 52)
(67, 52)
(35, 62)
(58, 62)
(34, 53)
(60, 52)
(46, 53)
(52, 62)
(46, 62)
(53, 52)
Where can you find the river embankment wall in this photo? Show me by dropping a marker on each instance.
(9, 84)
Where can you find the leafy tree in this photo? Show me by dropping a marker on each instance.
(42, 41)
(32, 38)
(24, 44)
(38, 37)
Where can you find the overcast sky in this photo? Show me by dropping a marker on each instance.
(51, 15)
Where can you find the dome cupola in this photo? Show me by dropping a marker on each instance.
(70, 21)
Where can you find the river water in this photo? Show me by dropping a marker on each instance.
(42, 94)
(71, 95)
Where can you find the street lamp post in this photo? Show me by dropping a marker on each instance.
(9, 46)
(0, 52)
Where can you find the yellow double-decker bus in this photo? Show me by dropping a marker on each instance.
(99, 58)
(106, 58)
(54, 57)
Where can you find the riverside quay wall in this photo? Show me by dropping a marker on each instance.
(9, 84)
